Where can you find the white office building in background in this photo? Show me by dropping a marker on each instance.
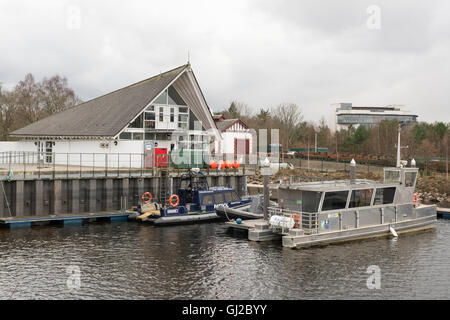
(346, 114)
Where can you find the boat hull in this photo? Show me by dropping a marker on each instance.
(190, 218)
(383, 230)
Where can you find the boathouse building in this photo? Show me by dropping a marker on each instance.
(167, 111)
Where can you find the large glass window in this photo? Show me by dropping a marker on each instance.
(162, 98)
(174, 97)
(384, 195)
(335, 200)
(360, 198)
(137, 123)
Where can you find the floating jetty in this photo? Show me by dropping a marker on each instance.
(443, 213)
(64, 219)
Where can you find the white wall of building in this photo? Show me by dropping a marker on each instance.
(6, 146)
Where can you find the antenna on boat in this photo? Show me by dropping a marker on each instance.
(399, 162)
(398, 145)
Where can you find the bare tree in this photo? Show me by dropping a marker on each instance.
(7, 113)
(27, 99)
(56, 96)
(290, 117)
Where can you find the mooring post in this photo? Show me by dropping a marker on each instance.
(352, 171)
(265, 171)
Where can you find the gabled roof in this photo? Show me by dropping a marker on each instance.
(104, 116)
(225, 124)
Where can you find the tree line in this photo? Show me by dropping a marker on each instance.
(30, 101)
(422, 139)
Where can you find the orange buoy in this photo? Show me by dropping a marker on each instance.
(213, 164)
(297, 221)
(222, 164)
(174, 196)
(229, 164)
(149, 197)
(416, 199)
(236, 164)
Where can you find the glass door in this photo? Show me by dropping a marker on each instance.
(48, 152)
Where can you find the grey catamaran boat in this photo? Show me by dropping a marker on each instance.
(325, 212)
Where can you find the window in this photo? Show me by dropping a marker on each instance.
(150, 108)
(125, 136)
(410, 179)
(335, 200)
(174, 97)
(161, 114)
(138, 136)
(310, 201)
(360, 198)
(172, 114)
(183, 110)
(391, 176)
(149, 136)
(384, 195)
(234, 196)
(182, 121)
(137, 123)
(219, 198)
(228, 196)
(162, 99)
(207, 199)
(150, 116)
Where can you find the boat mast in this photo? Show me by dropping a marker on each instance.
(398, 146)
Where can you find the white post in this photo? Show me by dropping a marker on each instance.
(398, 146)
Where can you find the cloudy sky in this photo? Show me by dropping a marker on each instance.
(263, 53)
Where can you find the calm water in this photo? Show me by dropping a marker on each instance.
(209, 261)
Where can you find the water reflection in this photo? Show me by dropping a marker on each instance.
(209, 261)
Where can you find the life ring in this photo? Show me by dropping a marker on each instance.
(149, 197)
(297, 223)
(416, 199)
(176, 203)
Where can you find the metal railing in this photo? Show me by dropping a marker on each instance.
(36, 165)
(309, 220)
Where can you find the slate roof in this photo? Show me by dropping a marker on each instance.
(104, 116)
(225, 124)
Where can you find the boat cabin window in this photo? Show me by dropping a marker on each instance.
(335, 200)
(360, 198)
(219, 198)
(391, 176)
(310, 201)
(410, 179)
(231, 196)
(207, 199)
(384, 196)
